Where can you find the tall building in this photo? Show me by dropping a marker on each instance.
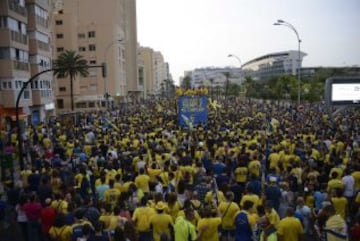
(281, 63)
(25, 50)
(156, 71)
(102, 32)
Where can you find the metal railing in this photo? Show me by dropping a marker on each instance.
(18, 37)
(14, 6)
(18, 65)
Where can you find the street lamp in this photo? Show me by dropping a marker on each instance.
(106, 94)
(281, 22)
(236, 57)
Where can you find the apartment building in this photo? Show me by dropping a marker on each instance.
(101, 32)
(156, 71)
(25, 51)
(274, 64)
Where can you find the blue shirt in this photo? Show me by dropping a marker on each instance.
(243, 231)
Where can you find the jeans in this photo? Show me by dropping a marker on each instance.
(34, 231)
(146, 236)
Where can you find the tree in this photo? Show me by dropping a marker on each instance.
(186, 82)
(70, 64)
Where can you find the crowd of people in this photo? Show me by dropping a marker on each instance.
(254, 171)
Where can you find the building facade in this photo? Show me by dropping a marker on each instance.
(101, 32)
(281, 63)
(214, 76)
(156, 71)
(25, 50)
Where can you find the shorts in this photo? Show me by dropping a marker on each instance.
(227, 233)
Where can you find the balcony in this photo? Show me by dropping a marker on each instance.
(41, 21)
(18, 37)
(21, 65)
(43, 46)
(14, 6)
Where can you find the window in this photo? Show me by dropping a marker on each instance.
(91, 104)
(91, 34)
(92, 62)
(81, 35)
(82, 49)
(4, 85)
(92, 47)
(60, 49)
(60, 103)
(59, 35)
(62, 89)
(59, 22)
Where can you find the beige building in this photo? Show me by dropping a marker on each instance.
(156, 71)
(25, 51)
(102, 32)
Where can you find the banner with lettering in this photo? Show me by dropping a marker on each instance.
(192, 111)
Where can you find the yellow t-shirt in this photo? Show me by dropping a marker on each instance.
(211, 233)
(160, 223)
(111, 196)
(173, 210)
(335, 184)
(290, 228)
(273, 217)
(340, 204)
(142, 182)
(254, 167)
(356, 176)
(209, 197)
(60, 206)
(228, 211)
(252, 198)
(63, 233)
(241, 174)
(196, 219)
(141, 217)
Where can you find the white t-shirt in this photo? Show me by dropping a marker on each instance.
(349, 183)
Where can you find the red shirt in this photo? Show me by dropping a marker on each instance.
(47, 218)
(355, 232)
(32, 210)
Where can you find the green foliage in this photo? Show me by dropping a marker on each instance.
(70, 64)
(186, 82)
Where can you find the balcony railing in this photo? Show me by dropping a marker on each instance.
(21, 65)
(43, 46)
(43, 22)
(14, 6)
(18, 37)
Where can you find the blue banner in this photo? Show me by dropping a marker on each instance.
(192, 111)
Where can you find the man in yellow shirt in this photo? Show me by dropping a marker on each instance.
(112, 194)
(290, 227)
(228, 211)
(250, 196)
(209, 226)
(142, 181)
(160, 222)
(141, 218)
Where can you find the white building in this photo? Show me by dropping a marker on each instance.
(214, 76)
(281, 63)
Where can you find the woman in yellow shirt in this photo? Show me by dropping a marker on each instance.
(59, 230)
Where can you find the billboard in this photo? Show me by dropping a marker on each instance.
(192, 110)
(343, 91)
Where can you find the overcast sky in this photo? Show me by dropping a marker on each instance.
(201, 33)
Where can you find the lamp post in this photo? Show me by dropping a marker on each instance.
(288, 25)
(106, 94)
(238, 59)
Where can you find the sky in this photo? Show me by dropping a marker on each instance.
(202, 33)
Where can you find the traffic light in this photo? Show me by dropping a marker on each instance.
(103, 68)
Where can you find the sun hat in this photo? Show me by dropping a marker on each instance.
(160, 206)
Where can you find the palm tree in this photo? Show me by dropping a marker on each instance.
(71, 64)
